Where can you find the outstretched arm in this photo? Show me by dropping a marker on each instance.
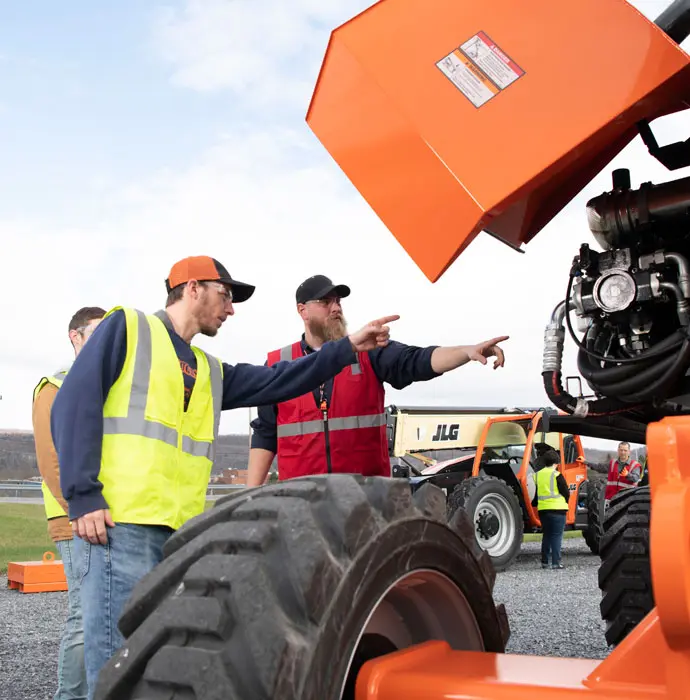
(449, 358)
(253, 385)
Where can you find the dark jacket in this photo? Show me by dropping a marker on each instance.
(77, 415)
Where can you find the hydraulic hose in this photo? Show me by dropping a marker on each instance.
(633, 383)
(626, 379)
(554, 337)
(600, 375)
(662, 386)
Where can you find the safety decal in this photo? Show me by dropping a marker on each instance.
(480, 69)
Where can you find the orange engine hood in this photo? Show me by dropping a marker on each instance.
(455, 117)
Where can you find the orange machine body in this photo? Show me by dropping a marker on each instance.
(652, 662)
(455, 117)
(42, 576)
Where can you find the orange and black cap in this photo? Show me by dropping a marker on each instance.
(206, 269)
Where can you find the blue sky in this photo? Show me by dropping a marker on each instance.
(136, 133)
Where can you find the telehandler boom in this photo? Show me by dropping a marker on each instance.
(452, 118)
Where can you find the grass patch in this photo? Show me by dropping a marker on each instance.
(567, 535)
(23, 533)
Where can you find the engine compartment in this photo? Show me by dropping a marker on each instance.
(631, 300)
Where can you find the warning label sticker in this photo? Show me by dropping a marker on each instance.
(480, 69)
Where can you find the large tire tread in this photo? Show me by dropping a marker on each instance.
(625, 572)
(594, 530)
(255, 575)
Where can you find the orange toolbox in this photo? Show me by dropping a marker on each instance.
(37, 576)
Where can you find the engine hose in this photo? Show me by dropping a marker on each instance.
(663, 385)
(587, 367)
(561, 399)
(636, 382)
(630, 376)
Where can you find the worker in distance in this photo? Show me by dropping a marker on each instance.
(135, 424)
(71, 672)
(340, 426)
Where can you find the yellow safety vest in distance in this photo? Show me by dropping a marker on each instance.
(53, 508)
(548, 496)
(156, 459)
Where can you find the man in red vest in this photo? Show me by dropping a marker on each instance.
(341, 427)
(624, 473)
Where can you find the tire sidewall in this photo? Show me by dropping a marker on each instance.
(492, 485)
(405, 546)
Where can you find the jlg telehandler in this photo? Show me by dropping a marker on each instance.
(451, 118)
(490, 469)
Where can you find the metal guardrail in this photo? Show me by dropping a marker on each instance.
(32, 489)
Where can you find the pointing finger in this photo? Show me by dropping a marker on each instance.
(385, 319)
(493, 341)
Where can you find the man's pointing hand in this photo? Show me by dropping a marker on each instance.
(375, 334)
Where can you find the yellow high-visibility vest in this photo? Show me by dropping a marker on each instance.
(548, 496)
(52, 507)
(156, 459)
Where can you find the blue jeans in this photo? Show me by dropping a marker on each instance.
(553, 525)
(71, 671)
(110, 573)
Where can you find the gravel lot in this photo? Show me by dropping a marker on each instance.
(30, 624)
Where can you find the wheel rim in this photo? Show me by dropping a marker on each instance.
(418, 607)
(491, 508)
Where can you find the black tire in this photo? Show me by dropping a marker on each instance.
(265, 595)
(483, 496)
(625, 576)
(594, 530)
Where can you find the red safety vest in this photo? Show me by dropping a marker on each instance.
(349, 437)
(615, 482)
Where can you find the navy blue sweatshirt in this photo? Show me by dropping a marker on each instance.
(77, 413)
(397, 364)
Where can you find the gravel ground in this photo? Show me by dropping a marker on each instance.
(553, 613)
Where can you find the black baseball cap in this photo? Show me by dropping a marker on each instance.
(320, 287)
(204, 269)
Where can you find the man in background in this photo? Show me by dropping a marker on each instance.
(624, 472)
(71, 669)
(341, 426)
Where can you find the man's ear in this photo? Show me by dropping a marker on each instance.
(193, 288)
(73, 335)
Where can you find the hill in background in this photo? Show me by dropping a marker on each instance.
(18, 456)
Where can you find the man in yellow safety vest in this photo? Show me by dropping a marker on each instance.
(552, 503)
(71, 681)
(135, 425)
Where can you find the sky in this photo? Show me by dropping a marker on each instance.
(136, 133)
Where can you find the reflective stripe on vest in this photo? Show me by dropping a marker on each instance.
(50, 503)
(548, 495)
(136, 423)
(317, 426)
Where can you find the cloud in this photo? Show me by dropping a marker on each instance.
(267, 53)
(268, 201)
